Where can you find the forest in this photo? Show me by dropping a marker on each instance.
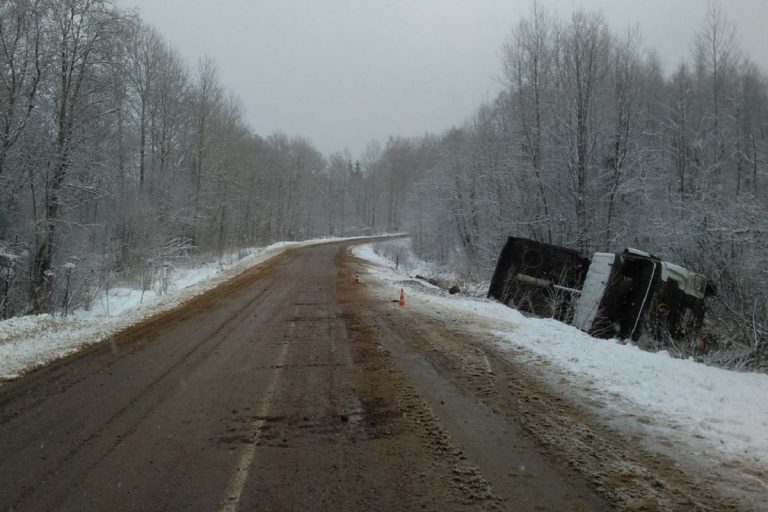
(119, 160)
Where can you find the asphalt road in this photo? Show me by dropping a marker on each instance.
(293, 388)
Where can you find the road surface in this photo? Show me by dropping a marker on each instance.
(293, 387)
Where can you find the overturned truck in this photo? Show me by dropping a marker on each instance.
(609, 295)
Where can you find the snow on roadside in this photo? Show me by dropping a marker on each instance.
(705, 412)
(412, 265)
(31, 341)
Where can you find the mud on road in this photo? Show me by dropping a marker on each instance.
(293, 387)
(551, 449)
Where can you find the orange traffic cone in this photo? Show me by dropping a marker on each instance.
(402, 298)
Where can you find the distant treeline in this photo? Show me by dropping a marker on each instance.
(591, 145)
(117, 160)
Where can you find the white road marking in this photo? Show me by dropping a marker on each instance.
(237, 482)
(487, 364)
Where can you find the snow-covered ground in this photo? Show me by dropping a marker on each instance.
(31, 341)
(710, 415)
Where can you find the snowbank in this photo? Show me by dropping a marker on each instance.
(411, 265)
(32, 341)
(705, 411)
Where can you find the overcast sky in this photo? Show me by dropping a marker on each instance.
(344, 72)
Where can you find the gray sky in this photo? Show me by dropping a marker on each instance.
(344, 72)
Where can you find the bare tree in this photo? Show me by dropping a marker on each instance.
(582, 57)
(21, 68)
(207, 97)
(145, 56)
(528, 67)
(80, 31)
(715, 51)
(627, 78)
